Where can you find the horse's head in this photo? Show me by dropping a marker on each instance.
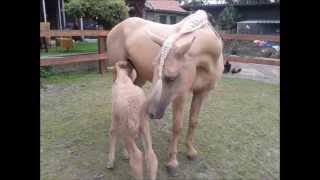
(173, 77)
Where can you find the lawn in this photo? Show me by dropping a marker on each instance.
(237, 136)
(78, 48)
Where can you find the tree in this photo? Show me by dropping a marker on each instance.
(106, 12)
(228, 18)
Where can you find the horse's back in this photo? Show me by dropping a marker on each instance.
(118, 36)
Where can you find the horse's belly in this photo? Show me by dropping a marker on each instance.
(142, 53)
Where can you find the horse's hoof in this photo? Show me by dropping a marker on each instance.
(110, 165)
(125, 155)
(193, 157)
(172, 171)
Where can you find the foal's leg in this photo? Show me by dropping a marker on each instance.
(177, 107)
(135, 157)
(112, 142)
(197, 101)
(150, 156)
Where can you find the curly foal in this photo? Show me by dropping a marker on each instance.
(129, 118)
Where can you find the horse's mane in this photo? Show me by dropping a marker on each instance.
(189, 24)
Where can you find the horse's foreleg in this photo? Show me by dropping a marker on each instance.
(197, 101)
(150, 156)
(177, 107)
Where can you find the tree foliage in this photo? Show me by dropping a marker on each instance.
(228, 18)
(107, 12)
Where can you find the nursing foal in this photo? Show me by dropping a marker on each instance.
(129, 118)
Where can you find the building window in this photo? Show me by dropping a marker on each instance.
(163, 19)
(173, 19)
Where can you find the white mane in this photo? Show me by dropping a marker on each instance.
(190, 23)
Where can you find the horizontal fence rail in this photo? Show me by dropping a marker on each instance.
(100, 57)
(250, 37)
(253, 60)
(70, 33)
(72, 59)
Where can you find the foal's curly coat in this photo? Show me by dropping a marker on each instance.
(129, 118)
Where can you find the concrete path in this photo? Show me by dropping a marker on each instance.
(259, 72)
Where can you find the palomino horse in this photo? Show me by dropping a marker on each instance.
(178, 59)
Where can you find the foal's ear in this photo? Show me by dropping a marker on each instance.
(133, 74)
(116, 68)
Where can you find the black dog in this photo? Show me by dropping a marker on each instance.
(227, 67)
(235, 70)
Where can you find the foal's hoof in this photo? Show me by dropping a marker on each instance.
(110, 165)
(172, 171)
(193, 157)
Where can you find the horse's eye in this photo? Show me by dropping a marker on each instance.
(170, 79)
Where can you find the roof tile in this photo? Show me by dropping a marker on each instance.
(165, 5)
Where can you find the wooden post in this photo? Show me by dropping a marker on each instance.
(63, 15)
(44, 11)
(101, 50)
(45, 40)
(81, 27)
(59, 10)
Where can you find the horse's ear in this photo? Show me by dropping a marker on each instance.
(155, 38)
(185, 46)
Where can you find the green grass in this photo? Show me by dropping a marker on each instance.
(237, 136)
(79, 47)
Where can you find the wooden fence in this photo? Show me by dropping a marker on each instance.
(254, 60)
(101, 56)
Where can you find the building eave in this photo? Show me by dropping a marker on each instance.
(167, 11)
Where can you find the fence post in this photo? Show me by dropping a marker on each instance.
(101, 50)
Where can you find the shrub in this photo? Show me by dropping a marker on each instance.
(46, 72)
